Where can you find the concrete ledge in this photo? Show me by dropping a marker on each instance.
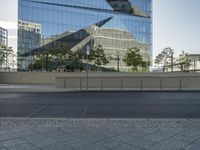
(107, 81)
(46, 88)
(99, 123)
(128, 83)
(43, 88)
(49, 77)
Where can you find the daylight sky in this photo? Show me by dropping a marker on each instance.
(176, 24)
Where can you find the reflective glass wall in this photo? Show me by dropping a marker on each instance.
(3, 36)
(117, 25)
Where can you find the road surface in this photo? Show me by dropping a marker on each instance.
(101, 105)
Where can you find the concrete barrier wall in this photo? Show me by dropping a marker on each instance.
(105, 80)
(122, 83)
(33, 77)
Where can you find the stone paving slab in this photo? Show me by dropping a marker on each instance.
(91, 141)
(25, 146)
(105, 134)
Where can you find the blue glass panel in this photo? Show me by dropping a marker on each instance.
(59, 16)
(102, 4)
(144, 5)
(115, 23)
(90, 3)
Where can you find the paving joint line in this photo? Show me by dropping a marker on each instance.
(85, 110)
(192, 142)
(37, 111)
(20, 136)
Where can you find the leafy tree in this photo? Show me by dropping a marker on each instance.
(75, 60)
(52, 57)
(38, 65)
(59, 57)
(133, 58)
(165, 58)
(145, 66)
(2, 55)
(68, 59)
(7, 57)
(183, 61)
(61, 51)
(43, 61)
(98, 56)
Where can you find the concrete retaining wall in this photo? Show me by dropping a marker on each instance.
(105, 80)
(123, 83)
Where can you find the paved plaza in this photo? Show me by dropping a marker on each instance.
(139, 135)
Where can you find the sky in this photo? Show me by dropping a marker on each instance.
(176, 24)
(8, 20)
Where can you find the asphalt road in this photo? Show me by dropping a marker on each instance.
(101, 105)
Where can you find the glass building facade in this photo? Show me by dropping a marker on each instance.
(3, 36)
(117, 25)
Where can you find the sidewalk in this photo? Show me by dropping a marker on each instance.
(20, 88)
(99, 134)
(36, 88)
